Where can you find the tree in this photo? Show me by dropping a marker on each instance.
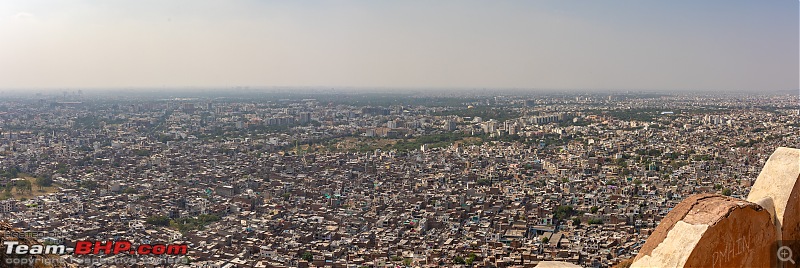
(459, 260)
(307, 256)
(44, 181)
(13, 171)
(91, 185)
(726, 192)
(6, 192)
(130, 190)
(62, 168)
(158, 220)
(23, 186)
(563, 212)
(470, 258)
(594, 209)
(576, 221)
(545, 240)
(621, 163)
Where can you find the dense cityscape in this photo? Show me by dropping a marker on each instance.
(378, 179)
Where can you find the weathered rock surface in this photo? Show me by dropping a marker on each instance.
(778, 182)
(715, 231)
(710, 230)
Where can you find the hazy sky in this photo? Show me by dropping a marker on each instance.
(615, 44)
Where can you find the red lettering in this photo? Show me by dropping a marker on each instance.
(159, 249)
(105, 247)
(82, 247)
(181, 249)
(144, 249)
(122, 247)
(125, 247)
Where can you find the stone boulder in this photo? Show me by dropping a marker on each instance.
(778, 183)
(709, 230)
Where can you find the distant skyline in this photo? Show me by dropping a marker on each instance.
(719, 45)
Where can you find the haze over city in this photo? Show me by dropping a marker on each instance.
(601, 45)
(376, 134)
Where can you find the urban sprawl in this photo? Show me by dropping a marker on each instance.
(376, 180)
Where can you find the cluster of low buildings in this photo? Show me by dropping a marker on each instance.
(578, 179)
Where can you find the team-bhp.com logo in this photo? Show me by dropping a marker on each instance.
(85, 252)
(97, 247)
(117, 247)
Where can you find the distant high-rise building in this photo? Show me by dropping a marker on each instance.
(449, 125)
(375, 111)
(544, 119)
(490, 126)
(305, 117)
(188, 107)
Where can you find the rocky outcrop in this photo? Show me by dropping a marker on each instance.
(716, 231)
(710, 231)
(777, 184)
